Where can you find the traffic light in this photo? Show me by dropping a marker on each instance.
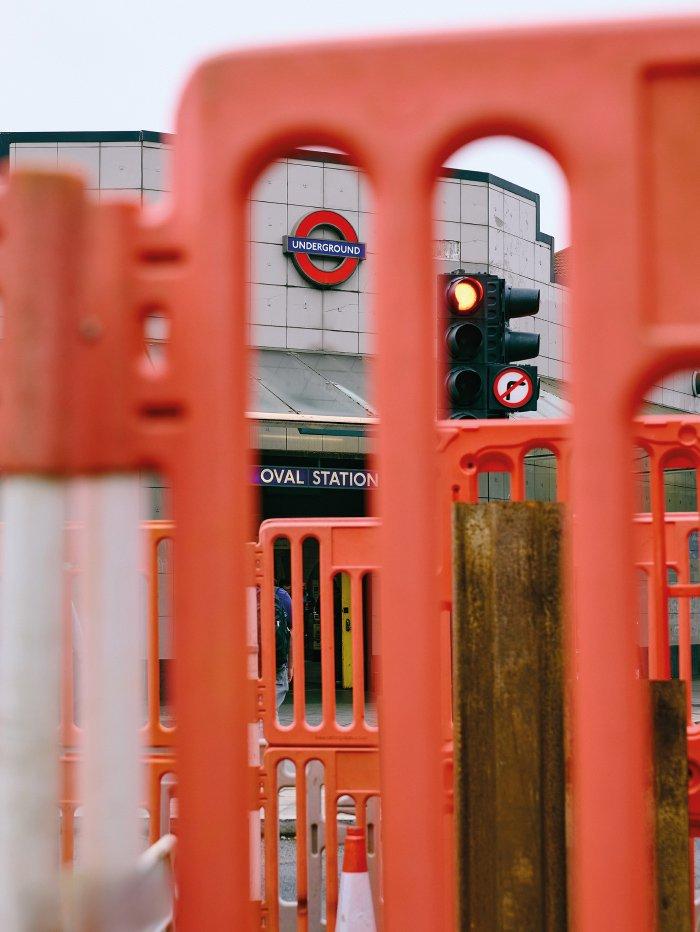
(479, 343)
(516, 388)
(468, 302)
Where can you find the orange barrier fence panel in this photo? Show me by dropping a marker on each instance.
(158, 730)
(326, 789)
(350, 546)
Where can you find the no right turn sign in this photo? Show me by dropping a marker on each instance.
(513, 387)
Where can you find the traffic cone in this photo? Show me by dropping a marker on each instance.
(355, 907)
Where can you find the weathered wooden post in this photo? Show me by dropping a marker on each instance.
(673, 891)
(510, 736)
(509, 717)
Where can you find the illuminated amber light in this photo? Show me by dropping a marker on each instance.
(465, 295)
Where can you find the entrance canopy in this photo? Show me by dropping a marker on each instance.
(317, 384)
(317, 402)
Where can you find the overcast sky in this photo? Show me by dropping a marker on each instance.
(120, 64)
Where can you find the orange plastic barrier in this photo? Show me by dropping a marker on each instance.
(347, 753)
(156, 732)
(322, 778)
(78, 280)
(350, 547)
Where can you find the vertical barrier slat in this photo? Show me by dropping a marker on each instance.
(517, 480)
(212, 510)
(659, 653)
(67, 671)
(271, 832)
(327, 634)
(153, 725)
(685, 663)
(408, 503)
(30, 635)
(357, 614)
(610, 754)
(111, 776)
(302, 846)
(331, 819)
(298, 666)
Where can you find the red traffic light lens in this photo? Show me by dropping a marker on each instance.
(465, 295)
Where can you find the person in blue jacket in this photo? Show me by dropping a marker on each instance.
(283, 641)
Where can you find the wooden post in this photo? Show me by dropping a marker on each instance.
(509, 717)
(673, 893)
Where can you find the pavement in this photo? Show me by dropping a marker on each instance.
(287, 800)
(343, 707)
(696, 701)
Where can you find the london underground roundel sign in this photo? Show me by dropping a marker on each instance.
(303, 247)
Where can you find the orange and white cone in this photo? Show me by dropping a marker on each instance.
(355, 907)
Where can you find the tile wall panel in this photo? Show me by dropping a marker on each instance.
(27, 155)
(302, 338)
(84, 159)
(305, 184)
(474, 243)
(447, 201)
(120, 166)
(305, 308)
(340, 189)
(156, 167)
(272, 184)
(474, 203)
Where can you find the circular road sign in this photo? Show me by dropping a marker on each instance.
(326, 278)
(513, 387)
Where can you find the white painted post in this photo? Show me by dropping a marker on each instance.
(30, 669)
(111, 615)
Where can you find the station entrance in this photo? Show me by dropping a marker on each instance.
(289, 501)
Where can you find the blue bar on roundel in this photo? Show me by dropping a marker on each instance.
(332, 249)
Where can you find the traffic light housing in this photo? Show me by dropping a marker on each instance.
(468, 302)
(479, 344)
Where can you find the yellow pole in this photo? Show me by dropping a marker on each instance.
(346, 635)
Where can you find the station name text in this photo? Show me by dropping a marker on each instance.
(306, 477)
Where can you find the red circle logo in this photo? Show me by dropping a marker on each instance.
(325, 278)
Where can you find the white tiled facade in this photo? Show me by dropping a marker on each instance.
(480, 225)
(133, 169)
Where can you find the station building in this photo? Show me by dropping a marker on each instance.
(309, 394)
(311, 416)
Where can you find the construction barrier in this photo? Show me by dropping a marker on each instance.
(325, 751)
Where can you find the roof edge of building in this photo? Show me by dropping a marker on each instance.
(310, 154)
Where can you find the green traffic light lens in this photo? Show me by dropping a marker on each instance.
(464, 385)
(464, 340)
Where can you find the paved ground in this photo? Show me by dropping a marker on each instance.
(343, 708)
(287, 809)
(288, 872)
(696, 700)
